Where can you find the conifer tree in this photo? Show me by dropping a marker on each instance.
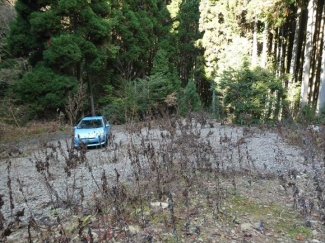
(64, 38)
(190, 100)
(163, 80)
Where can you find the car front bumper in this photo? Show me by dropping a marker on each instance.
(90, 142)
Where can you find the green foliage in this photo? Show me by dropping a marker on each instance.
(321, 116)
(64, 52)
(308, 115)
(251, 92)
(159, 88)
(187, 34)
(137, 31)
(190, 100)
(163, 80)
(135, 55)
(130, 101)
(45, 22)
(20, 40)
(45, 90)
(64, 40)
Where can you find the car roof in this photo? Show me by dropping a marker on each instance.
(92, 118)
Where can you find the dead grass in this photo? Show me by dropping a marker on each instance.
(180, 188)
(10, 132)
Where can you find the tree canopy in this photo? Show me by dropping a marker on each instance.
(163, 50)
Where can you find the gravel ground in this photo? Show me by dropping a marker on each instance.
(269, 153)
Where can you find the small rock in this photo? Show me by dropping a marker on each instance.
(281, 188)
(159, 204)
(314, 232)
(246, 226)
(259, 226)
(313, 222)
(314, 240)
(17, 237)
(134, 229)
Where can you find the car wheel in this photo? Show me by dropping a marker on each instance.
(106, 142)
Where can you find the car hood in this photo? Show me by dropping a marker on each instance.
(89, 132)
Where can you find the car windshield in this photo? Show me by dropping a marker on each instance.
(96, 123)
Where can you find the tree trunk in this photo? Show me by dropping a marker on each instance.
(308, 53)
(317, 53)
(282, 52)
(254, 52)
(265, 44)
(294, 58)
(278, 52)
(91, 97)
(321, 90)
(214, 101)
(321, 94)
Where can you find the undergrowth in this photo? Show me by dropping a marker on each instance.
(176, 184)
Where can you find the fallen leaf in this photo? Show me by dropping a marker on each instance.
(299, 237)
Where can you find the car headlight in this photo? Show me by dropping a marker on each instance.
(102, 133)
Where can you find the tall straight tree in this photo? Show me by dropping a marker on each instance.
(308, 52)
(265, 44)
(187, 35)
(316, 56)
(321, 92)
(294, 57)
(254, 49)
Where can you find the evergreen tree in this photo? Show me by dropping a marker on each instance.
(138, 28)
(163, 80)
(190, 100)
(65, 37)
(255, 92)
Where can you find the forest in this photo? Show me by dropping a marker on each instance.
(216, 113)
(262, 59)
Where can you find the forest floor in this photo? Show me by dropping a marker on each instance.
(175, 181)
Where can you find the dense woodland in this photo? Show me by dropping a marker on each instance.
(183, 178)
(236, 59)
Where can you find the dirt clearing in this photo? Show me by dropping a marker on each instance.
(191, 180)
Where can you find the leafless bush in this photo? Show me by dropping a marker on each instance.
(175, 167)
(75, 104)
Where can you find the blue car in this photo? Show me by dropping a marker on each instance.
(92, 131)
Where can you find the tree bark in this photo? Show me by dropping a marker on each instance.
(254, 52)
(317, 53)
(265, 44)
(91, 97)
(321, 91)
(294, 58)
(278, 52)
(282, 52)
(321, 94)
(308, 53)
(314, 60)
